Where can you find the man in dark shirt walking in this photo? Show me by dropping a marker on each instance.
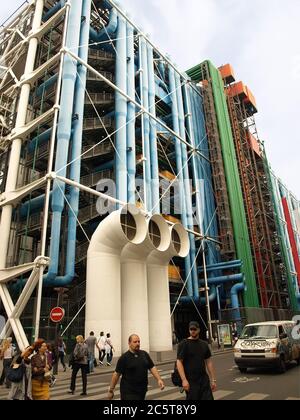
(133, 366)
(195, 366)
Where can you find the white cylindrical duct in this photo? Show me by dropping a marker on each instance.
(160, 331)
(134, 292)
(103, 290)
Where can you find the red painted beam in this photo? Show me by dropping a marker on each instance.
(288, 220)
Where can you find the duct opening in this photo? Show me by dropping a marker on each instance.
(176, 241)
(128, 224)
(154, 234)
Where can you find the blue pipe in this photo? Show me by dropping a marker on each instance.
(226, 264)
(162, 70)
(187, 187)
(106, 33)
(121, 112)
(131, 143)
(201, 301)
(237, 288)
(224, 279)
(33, 206)
(39, 140)
(146, 120)
(46, 85)
(79, 101)
(220, 268)
(104, 166)
(191, 131)
(153, 134)
(63, 136)
(51, 12)
(179, 171)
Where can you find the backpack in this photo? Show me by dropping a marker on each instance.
(79, 353)
(175, 377)
(16, 374)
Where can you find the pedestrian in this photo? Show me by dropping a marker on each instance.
(101, 347)
(91, 343)
(195, 367)
(61, 352)
(40, 364)
(109, 349)
(133, 366)
(79, 362)
(6, 354)
(22, 390)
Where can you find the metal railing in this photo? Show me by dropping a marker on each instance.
(100, 149)
(96, 124)
(99, 98)
(93, 179)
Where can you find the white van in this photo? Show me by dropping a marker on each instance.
(267, 344)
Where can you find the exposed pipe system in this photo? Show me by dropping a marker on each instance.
(182, 203)
(159, 118)
(75, 169)
(64, 136)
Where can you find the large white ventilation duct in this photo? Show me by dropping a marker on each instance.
(103, 293)
(160, 331)
(134, 292)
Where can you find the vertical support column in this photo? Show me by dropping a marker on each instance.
(146, 121)
(121, 112)
(131, 148)
(153, 135)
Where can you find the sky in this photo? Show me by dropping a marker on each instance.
(261, 41)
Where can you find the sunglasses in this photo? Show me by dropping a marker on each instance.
(193, 329)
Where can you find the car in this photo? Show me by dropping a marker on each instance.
(267, 344)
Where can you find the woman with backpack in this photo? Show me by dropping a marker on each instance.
(21, 390)
(79, 362)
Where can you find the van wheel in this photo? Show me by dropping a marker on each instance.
(281, 365)
(243, 370)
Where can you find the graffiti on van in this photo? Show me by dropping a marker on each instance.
(296, 329)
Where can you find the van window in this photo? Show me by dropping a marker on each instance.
(259, 332)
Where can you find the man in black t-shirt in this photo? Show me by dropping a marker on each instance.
(133, 366)
(195, 366)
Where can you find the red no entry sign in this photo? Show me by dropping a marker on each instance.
(57, 314)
